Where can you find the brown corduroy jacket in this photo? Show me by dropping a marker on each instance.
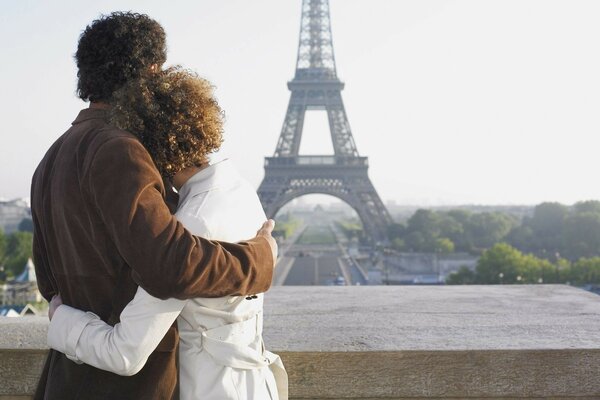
(102, 227)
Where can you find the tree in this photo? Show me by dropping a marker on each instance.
(352, 229)
(2, 246)
(396, 230)
(26, 225)
(2, 256)
(505, 264)
(422, 230)
(582, 235)
(500, 264)
(444, 245)
(453, 230)
(458, 229)
(398, 244)
(589, 206)
(416, 241)
(18, 251)
(547, 224)
(532, 269)
(464, 276)
(548, 217)
(426, 231)
(460, 216)
(523, 238)
(585, 271)
(424, 221)
(486, 229)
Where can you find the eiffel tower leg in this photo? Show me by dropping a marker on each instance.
(341, 135)
(291, 132)
(377, 218)
(269, 192)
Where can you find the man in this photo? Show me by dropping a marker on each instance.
(101, 225)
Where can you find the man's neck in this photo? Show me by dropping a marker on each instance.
(99, 105)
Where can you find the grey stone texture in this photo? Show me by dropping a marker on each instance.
(402, 342)
(399, 318)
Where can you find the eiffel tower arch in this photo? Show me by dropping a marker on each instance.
(344, 175)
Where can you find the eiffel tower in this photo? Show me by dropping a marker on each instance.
(316, 86)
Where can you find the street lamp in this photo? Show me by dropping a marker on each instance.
(557, 275)
(501, 275)
(315, 255)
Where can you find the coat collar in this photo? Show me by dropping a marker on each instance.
(89, 113)
(222, 174)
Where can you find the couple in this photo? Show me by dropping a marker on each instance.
(118, 268)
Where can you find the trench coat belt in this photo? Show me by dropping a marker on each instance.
(229, 345)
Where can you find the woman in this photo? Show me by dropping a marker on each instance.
(222, 355)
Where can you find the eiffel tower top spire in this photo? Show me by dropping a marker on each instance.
(315, 50)
(315, 86)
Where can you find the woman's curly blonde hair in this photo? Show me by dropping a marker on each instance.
(175, 116)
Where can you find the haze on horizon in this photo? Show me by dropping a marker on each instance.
(454, 102)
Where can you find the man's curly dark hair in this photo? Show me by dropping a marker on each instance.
(115, 48)
(174, 114)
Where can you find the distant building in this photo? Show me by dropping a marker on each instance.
(23, 289)
(423, 268)
(12, 212)
(18, 311)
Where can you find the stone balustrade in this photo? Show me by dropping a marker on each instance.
(401, 342)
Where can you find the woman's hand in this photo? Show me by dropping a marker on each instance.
(54, 304)
(265, 231)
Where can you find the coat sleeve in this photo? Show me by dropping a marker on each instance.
(167, 260)
(122, 349)
(45, 280)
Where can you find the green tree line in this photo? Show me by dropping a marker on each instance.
(504, 264)
(555, 230)
(286, 225)
(449, 231)
(352, 229)
(551, 232)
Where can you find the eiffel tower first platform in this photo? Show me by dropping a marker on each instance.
(344, 175)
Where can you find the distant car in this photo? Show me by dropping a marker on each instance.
(339, 281)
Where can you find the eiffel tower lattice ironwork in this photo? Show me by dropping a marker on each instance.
(316, 86)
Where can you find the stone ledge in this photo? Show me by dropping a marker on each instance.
(450, 342)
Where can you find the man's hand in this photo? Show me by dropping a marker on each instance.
(265, 231)
(54, 304)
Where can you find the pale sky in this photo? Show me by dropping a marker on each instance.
(454, 102)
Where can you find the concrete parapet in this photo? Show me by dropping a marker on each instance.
(402, 342)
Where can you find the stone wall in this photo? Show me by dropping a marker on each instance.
(402, 342)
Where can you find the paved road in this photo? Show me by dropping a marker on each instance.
(310, 270)
(315, 263)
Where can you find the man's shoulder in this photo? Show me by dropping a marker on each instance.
(115, 144)
(87, 135)
(116, 153)
(110, 134)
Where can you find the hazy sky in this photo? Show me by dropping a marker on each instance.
(452, 101)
